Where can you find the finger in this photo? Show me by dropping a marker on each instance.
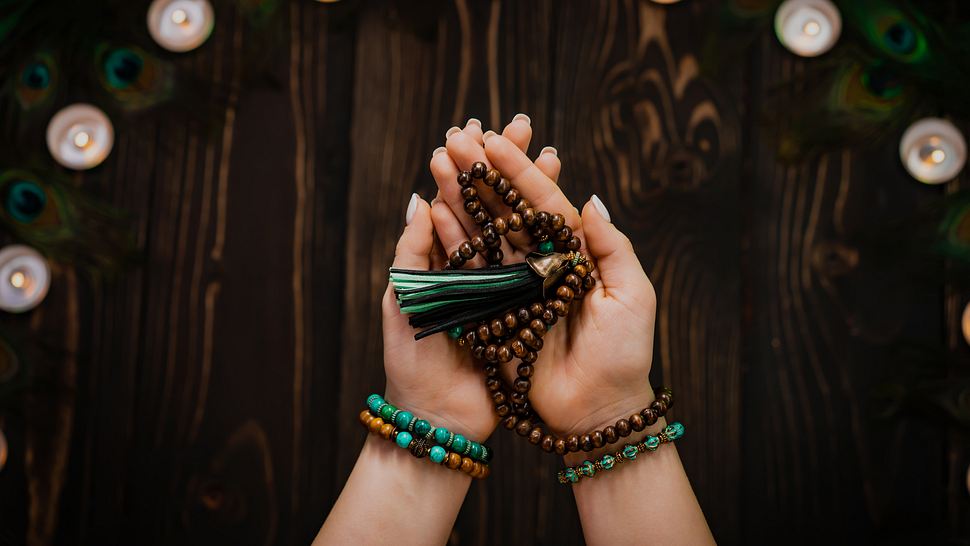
(519, 131)
(531, 182)
(451, 233)
(414, 247)
(445, 174)
(548, 162)
(473, 128)
(438, 257)
(619, 269)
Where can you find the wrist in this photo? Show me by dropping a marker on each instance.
(443, 415)
(608, 416)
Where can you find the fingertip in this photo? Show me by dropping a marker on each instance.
(549, 163)
(519, 132)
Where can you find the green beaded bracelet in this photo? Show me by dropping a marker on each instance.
(405, 420)
(589, 468)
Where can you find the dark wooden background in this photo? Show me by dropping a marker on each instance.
(209, 395)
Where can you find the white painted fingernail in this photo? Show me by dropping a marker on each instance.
(522, 117)
(439, 150)
(452, 131)
(473, 121)
(412, 208)
(600, 207)
(549, 150)
(487, 135)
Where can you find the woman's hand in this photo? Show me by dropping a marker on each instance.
(433, 378)
(593, 369)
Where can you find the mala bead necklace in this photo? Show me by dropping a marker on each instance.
(502, 312)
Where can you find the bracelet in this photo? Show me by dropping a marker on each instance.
(419, 447)
(589, 468)
(406, 421)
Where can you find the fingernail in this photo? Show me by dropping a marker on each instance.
(488, 134)
(452, 131)
(522, 117)
(549, 150)
(600, 207)
(412, 207)
(438, 150)
(473, 121)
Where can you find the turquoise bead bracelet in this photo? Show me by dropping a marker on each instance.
(405, 420)
(589, 468)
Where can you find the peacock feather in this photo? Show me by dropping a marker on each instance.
(134, 78)
(61, 221)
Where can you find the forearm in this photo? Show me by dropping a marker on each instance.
(645, 501)
(393, 498)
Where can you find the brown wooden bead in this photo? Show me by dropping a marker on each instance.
(524, 315)
(557, 221)
(454, 461)
(589, 282)
(510, 321)
(564, 234)
(535, 436)
(518, 348)
(649, 416)
(478, 351)
(503, 409)
(523, 204)
(586, 442)
(666, 398)
(637, 423)
(598, 439)
(473, 205)
(528, 217)
(529, 338)
(455, 260)
(542, 218)
(466, 465)
(549, 317)
(548, 442)
(523, 427)
(623, 428)
(494, 256)
(560, 307)
(538, 326)
(530, 357)
(484, 333)
(580, 270)
(515, 222)
(489, 234)
(511, 198)
(481, 217)
(560, 446)
(503, 186)
(499, 397)
(501, 225)
(492, 177)
(478, 243)
(536, 309)
(491, 353)
(574, 243)
(510, 422)
(479, 169)
(658, 407)
(572, 443)
(466, 251)
(465, 178)
(522, 385)
(497, 328)
(492, 384)
(386, 430)
(565, 293)
(525, 370)
(610, 435)
(490, 370)
(469, 192)
(504, 354)
(365, 417)
(477, 469)
(375, 424)
(470, 337)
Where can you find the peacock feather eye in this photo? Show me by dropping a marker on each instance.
(24, 200)
(37, 80)
(900, 37)
(36, 75)
(122, 67)
(881, 81)
(872, 91)
(894, 33)
(135, 78)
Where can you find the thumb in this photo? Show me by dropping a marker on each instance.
(413, 249)
(619, 269)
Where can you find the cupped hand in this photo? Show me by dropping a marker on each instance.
(595, 364)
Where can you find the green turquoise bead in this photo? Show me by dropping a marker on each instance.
(674, 430)
(630, 451)
(455, 332)
(546, 246)
(476, 451)
(438, 454)
(441, 435)
(652, 443)
(587, 469)
(571, 475)
(608, 461)
(459, 443)
(403, 419)
(403, 439)
(387, 412)
(422, 427)
(374, 402)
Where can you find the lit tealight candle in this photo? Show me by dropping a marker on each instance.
(933, 150)
(80, 136)
(808, 27)
(965, 323)
(180, 25)
(3, 450)
(24, 278)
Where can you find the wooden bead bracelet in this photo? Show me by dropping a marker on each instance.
(589, 468)
(420, 448)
